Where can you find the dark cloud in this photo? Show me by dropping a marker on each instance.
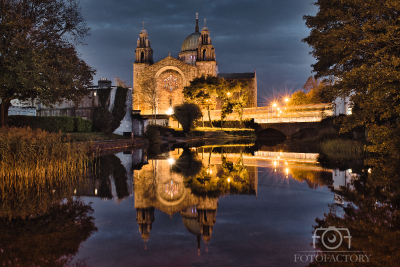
(253, 34)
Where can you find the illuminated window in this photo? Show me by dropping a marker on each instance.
(171, 83)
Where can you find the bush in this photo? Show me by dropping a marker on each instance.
(102, 120)
(247, 123)
(152, 134)
(51, 124)
(82, 126)
(339, 149)
(186, 114)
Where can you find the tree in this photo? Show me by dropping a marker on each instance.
(203, 91)
(240, 100)
(37, 53)
(356, 45)
(298, 98)
(148, 95)
(226, 92)
(186, 114)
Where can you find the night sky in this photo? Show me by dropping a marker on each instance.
(247, 34)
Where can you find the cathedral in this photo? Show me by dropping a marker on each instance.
(157, 87)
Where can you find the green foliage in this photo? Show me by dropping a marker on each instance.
(355, 46)
(203, 91)
(104, 120)
(152, 134)
(119, 109)
(316, 92)
(51, 124)
(339, 149)
(38, 55)
(103, 96)
(81, 125)
(186, 114)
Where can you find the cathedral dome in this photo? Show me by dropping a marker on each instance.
(191, 42)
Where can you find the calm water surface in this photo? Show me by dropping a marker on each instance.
(206, 207)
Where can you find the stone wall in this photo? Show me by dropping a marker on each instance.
(157, 73)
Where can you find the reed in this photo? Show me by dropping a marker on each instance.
(342, 149)
(37, 167)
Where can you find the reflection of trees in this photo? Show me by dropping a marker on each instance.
(371, 215)
(50, 239)
(111, 165)
(313, 179)
(187, 164)
(233, 178)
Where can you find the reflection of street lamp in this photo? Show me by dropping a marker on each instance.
(171, 161)
(170, 111)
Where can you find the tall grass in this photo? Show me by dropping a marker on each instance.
(36, 167)
(341, 149)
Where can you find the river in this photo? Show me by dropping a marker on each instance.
(233, 205)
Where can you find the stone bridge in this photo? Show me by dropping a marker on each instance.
(289, 129)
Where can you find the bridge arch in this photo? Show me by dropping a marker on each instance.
(290, 129)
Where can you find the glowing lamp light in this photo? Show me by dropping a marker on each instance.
(95, 192)
(369, 170)
(287, 171)
(229, 180)
(274, 104)
(286, 99)
(170, 111)
(171, 161)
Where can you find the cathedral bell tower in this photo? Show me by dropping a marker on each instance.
(206, 59)
(143, 52)
(205, 51)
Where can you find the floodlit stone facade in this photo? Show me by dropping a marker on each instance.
(158, 87)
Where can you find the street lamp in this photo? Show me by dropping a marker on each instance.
(170, 111)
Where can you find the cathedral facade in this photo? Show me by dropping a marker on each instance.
(158, 87)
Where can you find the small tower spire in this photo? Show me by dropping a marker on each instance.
(197, 22)
(205, 26)
(143, 25)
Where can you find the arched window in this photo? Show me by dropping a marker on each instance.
(204, 54)
(142, 57)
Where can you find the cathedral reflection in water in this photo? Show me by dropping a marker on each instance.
(157, 186)
(191, 181)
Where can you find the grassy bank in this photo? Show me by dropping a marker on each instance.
(94, 136)
(36, 167)
(342, 149)
(334, 147)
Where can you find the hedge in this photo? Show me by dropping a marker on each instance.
(246, 123)
(64, 124)
(81, 125)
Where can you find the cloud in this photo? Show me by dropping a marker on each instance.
(253, 34)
